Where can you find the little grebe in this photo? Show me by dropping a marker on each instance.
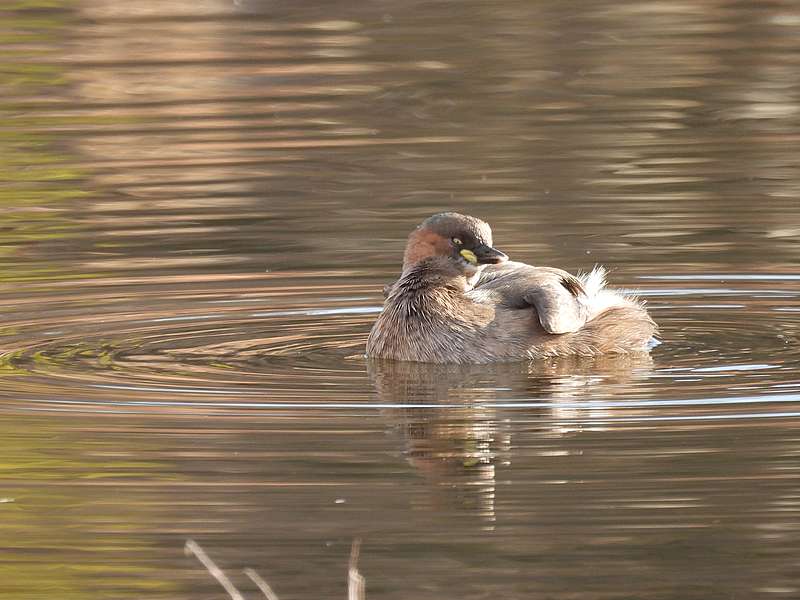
(459, 300)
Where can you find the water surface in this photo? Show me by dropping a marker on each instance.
(202, 202)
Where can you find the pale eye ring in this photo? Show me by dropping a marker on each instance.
(457, 241)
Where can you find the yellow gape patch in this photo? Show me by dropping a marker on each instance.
(469, 256)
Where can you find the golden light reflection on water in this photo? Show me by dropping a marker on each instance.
(202, 201)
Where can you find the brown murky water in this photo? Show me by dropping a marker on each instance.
(201, 202)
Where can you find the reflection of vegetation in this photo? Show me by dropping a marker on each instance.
(18, 5)
(22, 361)
(63, 539)
(34, 177)
(70, 541)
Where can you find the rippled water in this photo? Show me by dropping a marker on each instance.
(202, 201)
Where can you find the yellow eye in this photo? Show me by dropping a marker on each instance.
(457, 242)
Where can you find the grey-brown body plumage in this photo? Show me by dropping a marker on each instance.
(444, 311)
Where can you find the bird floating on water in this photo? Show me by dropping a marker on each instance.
(459, 300)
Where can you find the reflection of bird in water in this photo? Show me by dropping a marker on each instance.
(459, 301)
(457, 424)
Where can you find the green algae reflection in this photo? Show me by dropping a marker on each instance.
(37, 177)
(63, 538)
(74, 522)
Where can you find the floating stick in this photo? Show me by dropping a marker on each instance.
(262, 585)
(193, 547)
(356, 584)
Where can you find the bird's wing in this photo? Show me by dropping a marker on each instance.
(557, 296)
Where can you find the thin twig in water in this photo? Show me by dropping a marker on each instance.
(193, 547)
(356, 584)
(262, 585)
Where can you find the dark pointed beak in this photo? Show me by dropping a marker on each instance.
(489, 256)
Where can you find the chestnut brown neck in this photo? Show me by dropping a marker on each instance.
(422, 245)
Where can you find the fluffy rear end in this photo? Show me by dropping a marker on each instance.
(599, 298)
(618, 330)
(618, 322)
